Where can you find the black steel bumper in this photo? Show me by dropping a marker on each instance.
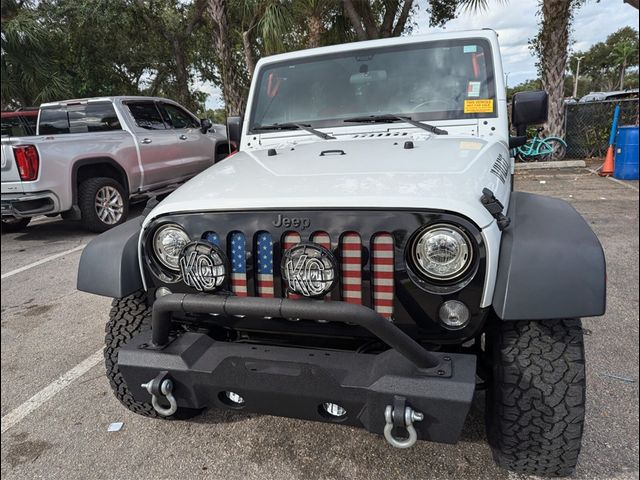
(295, 382)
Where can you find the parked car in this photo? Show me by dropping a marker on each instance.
(92, 157)
(615, 95)
(363, 260)
(19, 123)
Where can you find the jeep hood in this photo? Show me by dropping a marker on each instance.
(438, 173)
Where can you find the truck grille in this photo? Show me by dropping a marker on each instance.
(366, 271)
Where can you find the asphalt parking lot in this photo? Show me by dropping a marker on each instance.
(57, 404)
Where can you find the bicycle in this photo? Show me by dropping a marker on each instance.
(541, 148)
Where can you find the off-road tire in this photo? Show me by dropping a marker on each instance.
(87, 192)
(536, 398)
(15, 225)
(128, 317)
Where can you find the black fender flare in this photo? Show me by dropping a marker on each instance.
(109, 263)
(96, 161)
(551, 263)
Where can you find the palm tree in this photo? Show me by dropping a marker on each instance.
(621, 54)
(29, 72)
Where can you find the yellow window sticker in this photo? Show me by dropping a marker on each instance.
(484, 105)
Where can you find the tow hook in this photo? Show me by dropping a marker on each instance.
(161, 386)
(402, 416)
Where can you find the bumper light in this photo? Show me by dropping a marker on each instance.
(454, 314)
(334, 410)
(234, 398)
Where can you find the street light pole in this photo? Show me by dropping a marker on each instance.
(506, 80)
(577, 77)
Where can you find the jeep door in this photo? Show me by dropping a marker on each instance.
(160, 151)
(197, 149)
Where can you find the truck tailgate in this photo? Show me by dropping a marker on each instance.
(9, 174)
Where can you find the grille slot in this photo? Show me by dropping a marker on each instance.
(351, 267)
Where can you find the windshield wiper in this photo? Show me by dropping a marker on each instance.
(390, 117)
(295, 126)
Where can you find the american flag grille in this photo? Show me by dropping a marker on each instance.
(366, 268)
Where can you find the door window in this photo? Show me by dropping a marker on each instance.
(176, 117)
(79, 118)
(146, 115)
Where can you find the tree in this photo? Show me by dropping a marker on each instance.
(621, 55)
(551, 45)
(176, 23)
(600, 69)
(30, 69)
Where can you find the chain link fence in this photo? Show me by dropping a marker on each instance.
(588, 125)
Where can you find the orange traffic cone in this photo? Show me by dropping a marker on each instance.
(607, 166)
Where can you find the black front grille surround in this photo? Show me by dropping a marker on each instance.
(416, 302)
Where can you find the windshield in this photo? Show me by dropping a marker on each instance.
(440, 80)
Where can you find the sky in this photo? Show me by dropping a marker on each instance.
(516, 22)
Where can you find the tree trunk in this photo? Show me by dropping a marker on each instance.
(354, 18)
(182, 75)
(231, 82)
(553, 42)
(247, 50)
(315, 27)
(624, 68)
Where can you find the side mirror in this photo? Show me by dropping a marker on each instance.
(205, 125)
(234, 130)
(529, 108)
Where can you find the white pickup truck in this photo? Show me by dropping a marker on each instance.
(92, 157)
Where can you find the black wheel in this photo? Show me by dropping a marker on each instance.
(14, 224)
(128, 317)
(103, 204)
(536, 398)
(557, 149)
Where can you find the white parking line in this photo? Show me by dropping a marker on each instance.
(40, 262)
(19, 413)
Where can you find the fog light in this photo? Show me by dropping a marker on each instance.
(234, 398)
(454, 314)
(162, 291)
(334, 410)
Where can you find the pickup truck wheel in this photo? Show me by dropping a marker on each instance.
(536, 400)
(14, 224)
(103, 204)
(128, 317)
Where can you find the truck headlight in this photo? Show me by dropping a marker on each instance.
(168, 242)
(442, 252)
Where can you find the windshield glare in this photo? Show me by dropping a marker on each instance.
(427, 81)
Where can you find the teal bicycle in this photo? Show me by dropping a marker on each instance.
(539, 148)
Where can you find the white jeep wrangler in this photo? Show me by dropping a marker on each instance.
(363, 260)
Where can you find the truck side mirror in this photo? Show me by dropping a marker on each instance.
(234, 130)
(529, 108)
(205, 125)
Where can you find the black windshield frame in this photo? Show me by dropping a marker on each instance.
(399, 49)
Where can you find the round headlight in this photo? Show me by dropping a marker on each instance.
(168, 242)
(442, 252)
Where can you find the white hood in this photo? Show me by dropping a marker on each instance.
(439, 173)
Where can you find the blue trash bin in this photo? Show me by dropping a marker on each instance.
(626, 162)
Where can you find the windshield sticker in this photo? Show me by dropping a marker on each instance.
(484, 105)
(473, 89)
(470, 49)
